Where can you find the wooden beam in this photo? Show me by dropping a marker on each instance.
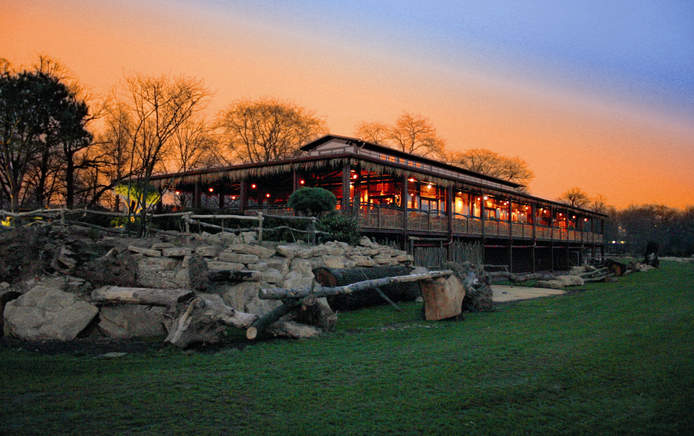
(345, 188)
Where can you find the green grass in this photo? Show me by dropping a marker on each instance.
(616, 358)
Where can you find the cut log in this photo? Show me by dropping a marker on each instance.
(332, 277)
(443, 298)
(204, 319)
(317, 312)
(261, 323)
(280, 294)
(146, 296)
(616, 268)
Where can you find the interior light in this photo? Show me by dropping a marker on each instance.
(211, 189)
(302, 181)
(177, 192)
(355, 176)
(411, 179)
(486, 197)
(233, 197)
(267, 195)
(429, 186)
(253, 186)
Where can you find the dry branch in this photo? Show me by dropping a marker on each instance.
(145, 296)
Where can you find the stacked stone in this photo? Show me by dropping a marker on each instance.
(61, 308)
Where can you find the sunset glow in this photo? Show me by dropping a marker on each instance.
(612, 114)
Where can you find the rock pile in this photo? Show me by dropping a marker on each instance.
(188, 288)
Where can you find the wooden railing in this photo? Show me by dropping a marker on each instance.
(388, 218)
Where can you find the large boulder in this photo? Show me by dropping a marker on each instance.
(129, 321)
(114, 268)
(477, 284)
(244, 297)
(46, 313)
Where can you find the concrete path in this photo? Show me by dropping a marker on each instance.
(504, 294)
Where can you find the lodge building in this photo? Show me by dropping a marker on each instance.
(423, 205)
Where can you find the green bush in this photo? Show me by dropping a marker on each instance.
(312, 201)
(340, 227)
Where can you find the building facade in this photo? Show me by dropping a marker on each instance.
(416, 202)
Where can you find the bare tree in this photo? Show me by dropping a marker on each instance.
(376, 133)
(193, 146)
(575, 197)
(483, 161)
(267, 129)
(599, 204)
(411, 133)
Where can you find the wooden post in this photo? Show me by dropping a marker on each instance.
(484, 249)
(345, 188)
(260, 226)
(449, 209)
(405, 200)
(221, 199)
(243, 195)
(510, 238)
(196, 194)
(295, 182)
(533, 212)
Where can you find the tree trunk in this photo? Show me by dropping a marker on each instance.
(281, 294)
(338, 277)
(69, 180)
(261, 323)
(146, 296)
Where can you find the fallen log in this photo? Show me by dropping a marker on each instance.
(599, 278)
(281, 294)
(519, 278)
(443, 298)
(204, 319)
(332, 277)
(261, 323)
(145, 296)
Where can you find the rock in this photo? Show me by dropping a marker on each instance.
(302, 266)
(271, 276)
(360, 260)
(6, 295)
(248, 237)
(279, 263)
(244, 297)
(113, 268)
(404, 258)
(477, 284)
(230, 256)
(159, 273)
(207, 251)
(176, 251)
(333, 261)
(160, 245)
(193, 273)
(288, 251)
(46, 313)
(144, 251)
(4, 285)
(366, 242)
(132, 321)
(260, 251)
(218, 265)
(577, 270)
(570, 280)
(297, 280)
(443, 297)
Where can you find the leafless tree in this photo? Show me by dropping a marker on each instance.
(411, 133)
(267, 129)
(575, 197)
(194, 146)
(483, 161)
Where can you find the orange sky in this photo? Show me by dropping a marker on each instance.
(602, 143)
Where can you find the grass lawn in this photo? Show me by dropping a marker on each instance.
(615, 358)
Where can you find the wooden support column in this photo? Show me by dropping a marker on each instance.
(196, 194)
(533, 212)
(345, 188)
(357, 194)
(602, 242)
(405, 201)
(551, 237)
(510, 238)
(295, 180)
(484, 249)
(243, 195)
(221, 199)
(449, 209)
